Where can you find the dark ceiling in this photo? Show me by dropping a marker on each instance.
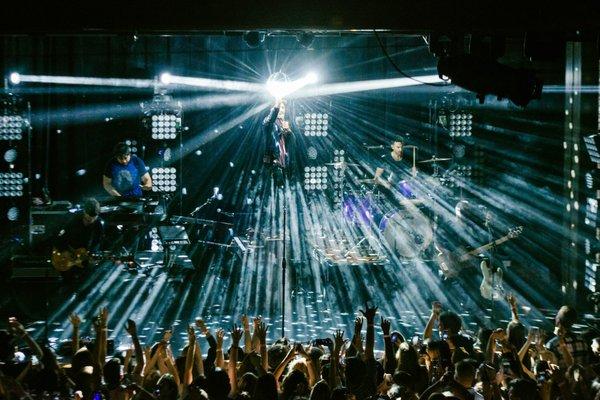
(178, 16)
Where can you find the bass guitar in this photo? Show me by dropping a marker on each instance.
(451, 263)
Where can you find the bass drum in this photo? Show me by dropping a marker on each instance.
(408, 232)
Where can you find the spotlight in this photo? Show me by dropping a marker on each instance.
(592, 144)
(485, 77)
(15, 78)
(253, 39)
(164, 179)
(166, 78)
(305, 39)
(311, 77)
(278, 85)
(316, 124)
(10, 155)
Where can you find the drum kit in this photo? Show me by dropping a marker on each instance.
(404, 218)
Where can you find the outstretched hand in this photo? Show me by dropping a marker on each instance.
(236, 335)
(385, 326)
(201, 325)
(358, 322)
(261, 332)
(75, 320)
(369, 313)
(338, 341)
(131, 327)
(220, 336)
(16, 327)
(191, 335)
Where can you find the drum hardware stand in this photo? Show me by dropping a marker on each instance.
(283, 270)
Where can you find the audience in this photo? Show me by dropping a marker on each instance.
(445, 363)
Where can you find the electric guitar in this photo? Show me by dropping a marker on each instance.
(64, 260)
(491, 285)
(451, 263)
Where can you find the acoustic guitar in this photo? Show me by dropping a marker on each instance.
(451, 263)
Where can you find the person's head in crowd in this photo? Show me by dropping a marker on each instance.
(150, 380)
(276, 353)
(408, 359)
(404, 379)
(167, 388)
(516, 334)
(523, 389)
(450, 322)
(112, 373)
(438, 396)
(195, 389)
(315, 354)
(320, 391)
(266, 388)
(217, 384)
(458, 355)
(298, 364)
(439, 353)
(294, 384)
(247, 382)
(342, 393)
(355, 370)
(565, 318)
(464, 372)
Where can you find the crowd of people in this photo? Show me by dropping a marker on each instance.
(512, 362)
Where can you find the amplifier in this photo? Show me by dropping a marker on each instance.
(173, 235)
(32, 267)
(46, 223)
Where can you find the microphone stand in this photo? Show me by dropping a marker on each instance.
(283, 269)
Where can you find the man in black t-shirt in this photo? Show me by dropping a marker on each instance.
(85, 230)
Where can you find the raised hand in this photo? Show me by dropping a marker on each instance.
(103, 317)
(201, 325)
(220, 336)
(257, 320)
(16, 327)
(245, 322)
(369, 313)
(301, 350)
(436, 308)
(358, 322)
(261, 332)
(338, 341)
(75, 320)
(191, 335)
(385, 326)
(236, 335)
(131, 327)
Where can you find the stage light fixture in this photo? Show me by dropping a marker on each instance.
(164, 179)
(489, 77)
(15, 78)
(591, 212)
(592, 143)
(315, 177)
(315, 124)
(133, 145)
(13, 214)
(11, 184)
(305, 39)
(155, 242)
(166, 78)
(253, 39)
(163, 117)
(10, 155)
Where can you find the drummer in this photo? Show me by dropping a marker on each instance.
(393, 169)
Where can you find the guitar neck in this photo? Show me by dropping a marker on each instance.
(485, 247)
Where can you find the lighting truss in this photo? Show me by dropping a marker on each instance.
(315, 124)
(162, 116)
(315, 177)
(164, 179)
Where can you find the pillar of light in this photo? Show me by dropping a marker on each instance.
(239, 86)
(281, 88)
(17, 78)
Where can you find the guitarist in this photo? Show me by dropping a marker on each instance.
(84, 231)
(467, 230)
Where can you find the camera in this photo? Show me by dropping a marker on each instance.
(395, 337)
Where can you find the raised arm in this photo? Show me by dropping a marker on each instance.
(357, 345)
(131, 328)
(312, 368)
(236, 336)
(219, 362)
(261, 332)
(338, 342)
(369, 314)
(75, 322)
(189, 357)
(281, 367)
(390, 359)
(206, 332)
(247, 335)
(512, 301)
(436, 309)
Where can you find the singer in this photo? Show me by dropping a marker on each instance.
(124, 172)
(280, 142)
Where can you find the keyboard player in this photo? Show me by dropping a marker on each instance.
(125, 174)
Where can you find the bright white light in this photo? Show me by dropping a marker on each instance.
(311, 77)
(15, 78)
(239, 86)
(80, 172)
(86, 81)
(166, 78)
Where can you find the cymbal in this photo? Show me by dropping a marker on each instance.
(342, 163)
(435, 159)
